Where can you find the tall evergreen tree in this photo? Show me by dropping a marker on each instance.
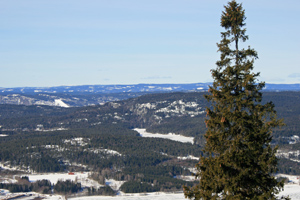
(239, 160)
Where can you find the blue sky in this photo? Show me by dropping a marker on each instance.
(80, 42)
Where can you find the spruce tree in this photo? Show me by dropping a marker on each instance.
(239, 161)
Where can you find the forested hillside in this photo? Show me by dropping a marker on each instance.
(181, 113)
(101, 138)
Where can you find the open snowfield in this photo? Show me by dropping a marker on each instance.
(293, 190)
(54, 177)
(170, 136)
(142, 196)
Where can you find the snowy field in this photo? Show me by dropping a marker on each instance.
(142, 196)
(292, 189)
(170, 136)
(54, 177)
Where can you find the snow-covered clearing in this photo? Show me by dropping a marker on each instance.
(6, 166)
(170, 136)
(59, 102)
(115, 185)
(83, 178)
(54, 177)
(293, 190)
(139, 196)
(77, 141)
(186, 178)
(292, 178)
(106, 151)
(188, 158)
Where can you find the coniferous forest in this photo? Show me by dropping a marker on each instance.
(52, 139)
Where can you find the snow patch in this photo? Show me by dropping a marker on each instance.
(138, 196)
(294, 139)
(7, 166)
(292, 155)
(106, 151)
(189, 157)
(59, 102)
(77, 141)
(83, 178)
(115, 185)
(170, 136)
(54, 129)
(180, 107)
(186, 178)
(291, 190)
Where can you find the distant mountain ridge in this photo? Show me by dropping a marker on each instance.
(85, 95)
(108, 88)
(132, 88)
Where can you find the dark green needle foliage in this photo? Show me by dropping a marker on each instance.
(239, 161)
